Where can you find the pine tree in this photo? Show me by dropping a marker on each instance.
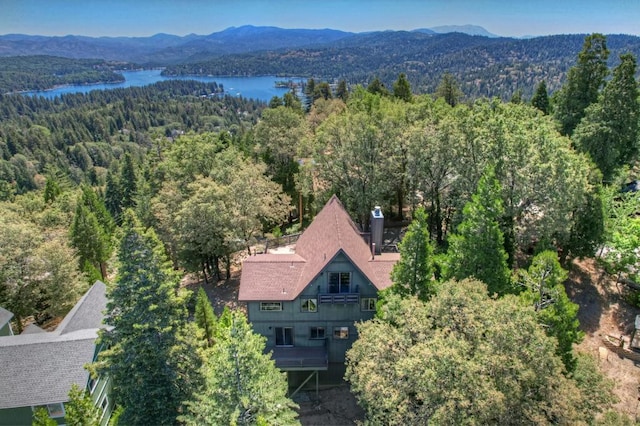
(583, 84)
(402, 88)
(152, 358)
(609, 131)
(242, 384)
(413, 274)
(128, 182)
(90, 239)
(341, 91)
(477, 249)
(205, 318)
(113, 196)
(377, 87)
(449, 90)
(540, 98)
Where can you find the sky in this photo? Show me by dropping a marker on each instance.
(511, 18)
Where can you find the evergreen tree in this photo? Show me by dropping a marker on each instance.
(341, 91)
(205, 318)
(153, 358)
(477, 249)
(516, 98)
(113, 195)
(413, 274)
(402, 88)
(96, 205)
(583, 84)
(80, 410)
(449, 90)
(242, 384)
(51, 190)
(540, 98)
(128, 182)
(90, 239)
(377, 87)
(609, 131)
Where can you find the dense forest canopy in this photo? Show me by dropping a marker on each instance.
(44, 72)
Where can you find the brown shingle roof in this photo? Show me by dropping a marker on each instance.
(284, 276)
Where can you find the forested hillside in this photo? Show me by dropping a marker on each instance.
(80, 135)
(44, 72)
(483, 66)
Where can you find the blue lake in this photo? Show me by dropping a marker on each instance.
(261, 88)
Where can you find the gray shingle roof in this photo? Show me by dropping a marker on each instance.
(88, 312)
(39, 368)
(5, 316)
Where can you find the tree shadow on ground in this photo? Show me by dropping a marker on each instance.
(583, 289)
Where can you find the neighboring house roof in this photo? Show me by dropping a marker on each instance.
(88, 312)
(39, 368)
(285, 276)
(5, 316)
(32, 329)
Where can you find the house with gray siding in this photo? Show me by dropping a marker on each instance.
(306, 300)
(38, 368)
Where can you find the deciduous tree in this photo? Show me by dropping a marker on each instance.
(460, 358)
(80, 409)
(543, 284)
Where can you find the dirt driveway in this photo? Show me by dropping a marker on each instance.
(604, 311)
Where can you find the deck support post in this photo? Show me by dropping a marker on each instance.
(305, 382)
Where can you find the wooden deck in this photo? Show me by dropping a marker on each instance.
(300, 358)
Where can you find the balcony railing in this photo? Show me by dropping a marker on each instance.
(339, 298)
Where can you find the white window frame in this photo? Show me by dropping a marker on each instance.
(60, 410)
(307, 301)
(105, 403)
(270, 306)
(341, 333)
(368, 301)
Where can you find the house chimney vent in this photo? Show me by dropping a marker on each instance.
(377, 229)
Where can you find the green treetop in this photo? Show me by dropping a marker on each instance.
(242, 384)
(583, 84)
(153, 358)
(413, 274)
(477, 248)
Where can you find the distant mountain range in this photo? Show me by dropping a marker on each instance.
(484, 64)
(162, 49)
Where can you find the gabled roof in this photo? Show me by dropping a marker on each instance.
(88, 312)
(39, 368)
(5, 316)
(284, 277)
